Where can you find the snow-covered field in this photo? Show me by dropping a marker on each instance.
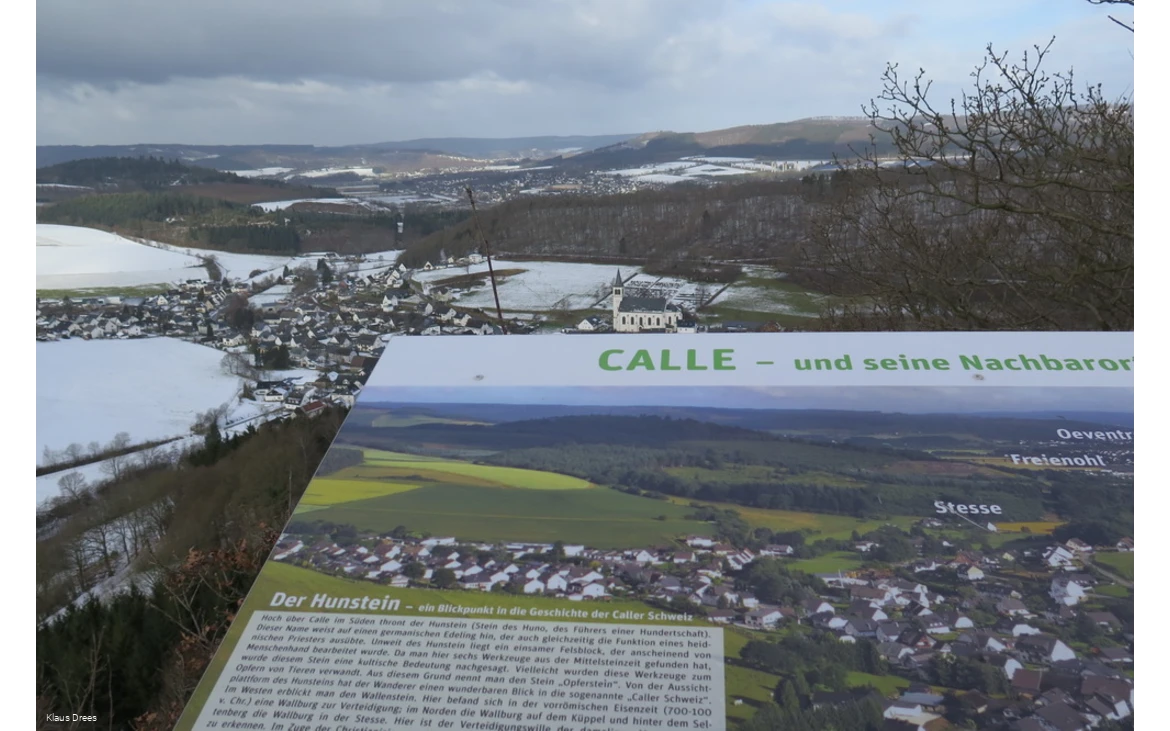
(713, 170)
(261, 172)
(753, 294)
(688, 169)
(325, 172)
(237, 266)
(272, 295)
(243, 415)
(71, 257)
(544, 285)
(701, 166)
(661, 167)
(89, 390)
(676, 291)
(396, 200)
(269, 206)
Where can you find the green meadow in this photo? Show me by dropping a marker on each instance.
(326, 491)
(392, 465)
(818, 525)
(829, 563)
(476, 502)
(598, 517)
(887, 685)
(1120, 562)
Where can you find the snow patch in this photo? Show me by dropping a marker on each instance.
(71, 257)
(153, 389)
(261, 172)
(543, 285)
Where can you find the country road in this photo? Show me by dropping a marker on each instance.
(1112, 576)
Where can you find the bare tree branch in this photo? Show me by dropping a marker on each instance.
(1010, 207)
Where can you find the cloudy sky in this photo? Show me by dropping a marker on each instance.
(914, 400)
(357, 71)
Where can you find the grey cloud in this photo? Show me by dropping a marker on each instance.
(350, 71)
(401, 41)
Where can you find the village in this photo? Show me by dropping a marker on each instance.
(332, 320)
(333, 325)
(921, 615)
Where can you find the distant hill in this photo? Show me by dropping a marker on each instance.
(804, 139)
(552, 422)
(818, 137)
(144, 173)
(507, 147)
(71, 184)
(414, 154)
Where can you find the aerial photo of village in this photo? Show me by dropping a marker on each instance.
(918, 554)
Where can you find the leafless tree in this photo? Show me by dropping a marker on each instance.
(306, 279)
(101, 536)
(1010, 208)
(1115, 2)
(150, 457)
(120, 441)
(72, 485)
(115, 467)
(74, 452)
(237, 365)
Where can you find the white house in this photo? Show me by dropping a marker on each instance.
(1019, 629)
(1008, 664)
(1067, 591)
(644, 556)
(817, 606)
(1058, 557)
(592, 591)
(555, 582)
(1045, 648)
(971, 573)
(763, 618)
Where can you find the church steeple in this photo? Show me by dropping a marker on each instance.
(617, 295)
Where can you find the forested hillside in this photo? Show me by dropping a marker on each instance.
(196, 535)
(762, 220)
(145, 173)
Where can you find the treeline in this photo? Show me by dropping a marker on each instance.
(134, 659)
(773, 583)
(339, 458)
(804, 663)
(642, 468)
(562, 431)
(144, 173)
(756, 220)
(277, 238)
(128, 209)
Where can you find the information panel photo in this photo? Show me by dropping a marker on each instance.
(617, 532)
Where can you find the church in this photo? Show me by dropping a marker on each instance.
(642, 314)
